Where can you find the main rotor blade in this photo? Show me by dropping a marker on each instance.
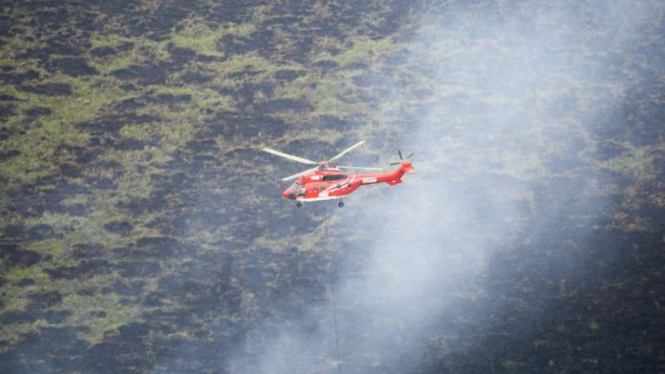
(400, 154)
(358, 167)
(290, 157)
(395, 163)
(409, 156)
(294, 176)
(347, 150)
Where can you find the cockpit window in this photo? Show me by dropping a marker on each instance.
(297, 189)
(335, 177)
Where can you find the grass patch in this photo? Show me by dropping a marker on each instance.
(248, 61)
(364, 50)
(22, 41)
(202, 97)
(332, 94)
(13, 332)
(14, 302)
(137, 132)
(40, 142)
(117, 62)
(637, 163)
(108, 40)
(143, 51)
(195, 34)
(137, 167)
(83, 310)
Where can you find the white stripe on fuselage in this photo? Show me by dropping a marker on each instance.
(317, 198)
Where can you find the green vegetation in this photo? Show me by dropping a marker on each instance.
(134, 192)
(196, 35)
(363, 50)
(88, 313)
(142, 51)
(40, 145)
(635, 163)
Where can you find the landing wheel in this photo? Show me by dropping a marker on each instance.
(299, 204)
(340, 204)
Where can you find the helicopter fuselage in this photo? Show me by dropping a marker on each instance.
(333, 183)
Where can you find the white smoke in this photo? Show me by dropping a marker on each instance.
(514, 95)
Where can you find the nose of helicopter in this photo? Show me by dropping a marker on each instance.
(287, 194)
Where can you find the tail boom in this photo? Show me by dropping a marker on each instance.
(391, 178)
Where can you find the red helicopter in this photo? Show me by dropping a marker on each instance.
(325, 182)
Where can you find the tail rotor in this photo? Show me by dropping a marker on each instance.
(401, 159)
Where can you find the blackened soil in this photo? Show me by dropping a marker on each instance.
(73, 66)
(288, 75)
(13, 78)
(113, 123)
(6, 110)
(16, 256)
(231, 125)
(142, 74)
(37, 111)
(49, 89)
(286, 105)
(85, 269)
(125, 349)
(9, 154)
(202, 265)
(102, 51)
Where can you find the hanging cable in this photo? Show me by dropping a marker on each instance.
(331, 280)
(332, 290)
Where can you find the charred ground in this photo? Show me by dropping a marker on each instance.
(143, 230)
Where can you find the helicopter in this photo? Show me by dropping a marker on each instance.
(326, 182)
